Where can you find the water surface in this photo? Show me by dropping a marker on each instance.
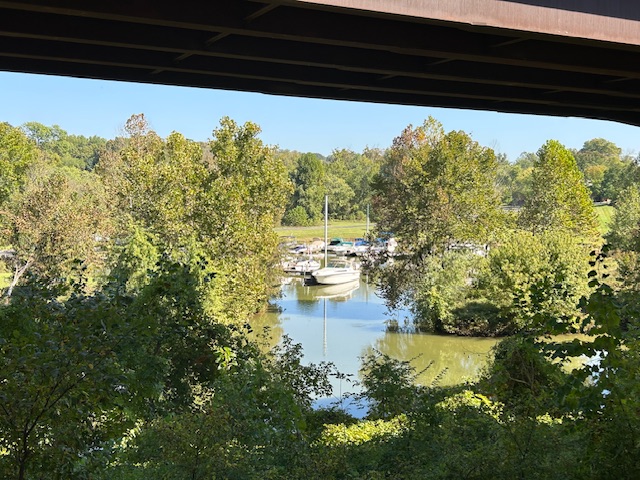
(341, 323)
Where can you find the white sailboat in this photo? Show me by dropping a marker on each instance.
(337, 271)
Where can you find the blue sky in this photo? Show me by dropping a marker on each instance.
(96, 107)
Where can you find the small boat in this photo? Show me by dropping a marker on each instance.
(337, 272)
(307, 265)
(360, 247)
(340, 246)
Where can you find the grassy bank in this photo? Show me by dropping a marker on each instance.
(349, 229)
(346, 229)
(605, 215)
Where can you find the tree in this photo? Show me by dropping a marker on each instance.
(309, 190)
(358, 171)
(534, 280)
(433, 190)
(559, 198)
(618, 177)
(340, 196)
(17, 155)
(297, 216)
(436, 188)
(597, 151)
(80, 370)
(63, 388)
(594, 159)
(446, 300)
(624, 233)
(221, 208)
(56, 222)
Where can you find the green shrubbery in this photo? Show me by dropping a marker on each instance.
(525, 280)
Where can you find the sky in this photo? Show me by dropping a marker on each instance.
(98, 107)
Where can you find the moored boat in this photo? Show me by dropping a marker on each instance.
(337, 272)
(307, 265)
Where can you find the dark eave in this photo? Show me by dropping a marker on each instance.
(335, 51)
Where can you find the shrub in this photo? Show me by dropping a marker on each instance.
(535, 280)
(296, 217)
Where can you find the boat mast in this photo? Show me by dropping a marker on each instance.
(367, 219)
(326, 222)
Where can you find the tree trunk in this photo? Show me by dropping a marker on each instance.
(19, 271)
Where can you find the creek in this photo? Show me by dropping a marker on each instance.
(341, 323)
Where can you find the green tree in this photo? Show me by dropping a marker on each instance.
(594, 159)
(222, 207)
(619, 177)
(340, 196)
(79, 370)
(559, 198)
(55, 222)
(535, 280)
(17, 155)
(624, 233)
(445, 300)
(434, 189)
(309, 186)
(358, 171)
(246, 197)
(297, 216)
(597, 151)
(63, 389)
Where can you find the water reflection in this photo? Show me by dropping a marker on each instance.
(452, 360)
(341, 323)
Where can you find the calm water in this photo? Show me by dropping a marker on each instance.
(341, 323)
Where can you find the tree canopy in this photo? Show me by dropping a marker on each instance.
(559, 198)
(434, 190)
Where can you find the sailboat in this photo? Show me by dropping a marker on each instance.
(337, 271)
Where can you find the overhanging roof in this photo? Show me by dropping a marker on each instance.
(551, 57)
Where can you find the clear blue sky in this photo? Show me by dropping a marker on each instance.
(96, 107)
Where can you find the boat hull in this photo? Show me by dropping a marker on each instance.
(335, 278)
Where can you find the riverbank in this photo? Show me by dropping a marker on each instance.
(350, 229)
(347, 229)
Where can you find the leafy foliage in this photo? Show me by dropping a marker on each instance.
(17, 154)
(445, 295)
(535, 281)
(434, 190)
(145, 370)
(625, 229)
(55, 220)
(389, 385)
(63, 387)
(559, 199)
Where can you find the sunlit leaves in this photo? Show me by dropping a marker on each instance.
(559, 200)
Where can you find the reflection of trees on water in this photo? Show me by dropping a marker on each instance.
(457, 359)
(267, 329)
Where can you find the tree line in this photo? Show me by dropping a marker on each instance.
(135, 265)
(348, 178)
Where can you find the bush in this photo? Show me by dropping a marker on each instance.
(535, 281)
(444, 290)
(296, 217)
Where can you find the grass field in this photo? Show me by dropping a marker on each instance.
(605, 215)
(345, 229)
(349, 230)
